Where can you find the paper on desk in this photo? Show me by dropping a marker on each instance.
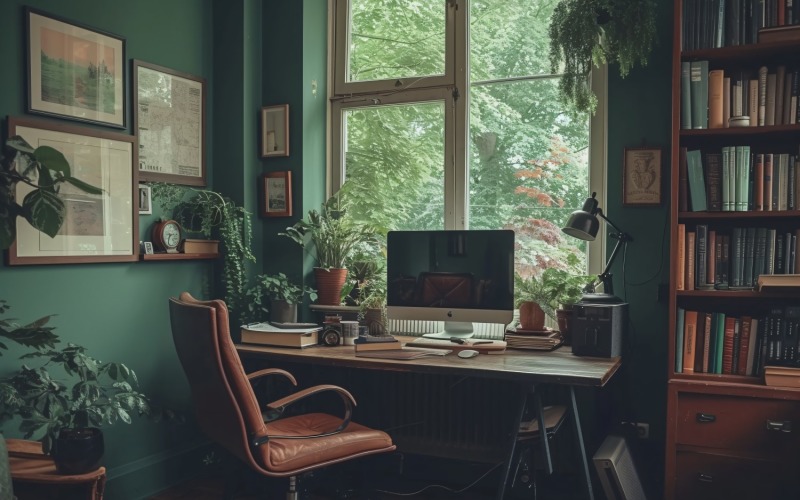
(266, 327)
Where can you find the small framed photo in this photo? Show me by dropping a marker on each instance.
(148, 247)
(277, 194)
(641, 177)
(145, 200)
(275, 131)
(75, 71)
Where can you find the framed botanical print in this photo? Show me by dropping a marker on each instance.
(641, 176)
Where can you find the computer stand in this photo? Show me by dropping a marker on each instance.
(453, 329)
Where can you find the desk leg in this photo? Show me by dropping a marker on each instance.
(543, 437)
(514, 433)
(581, 448)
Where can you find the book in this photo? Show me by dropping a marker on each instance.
(711, 273)
(707, 322)
(701, 254)
(402, 354)
(200, 246)
(727, 345)
(715, 81)
(762, 95)
(751, 348)
(697, 188)
(726, 102)
(686, 103)
(683, 183)
(780, 79)
(266, 334)
(778, 282)
(700, 340)
(698, 83)
(377, 346)
(720, 338)
(689, 341)
(779, 34)
(782, 376)
(758, 185)
(769, 113)
(713, 180)
(689, 280)
(679, 333)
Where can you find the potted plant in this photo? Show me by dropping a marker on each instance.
(553, 291)
(210, 213)
(583, 32)
(44, 169)
(66, 395)
(372, 304)
(283, 295)
(331, 237)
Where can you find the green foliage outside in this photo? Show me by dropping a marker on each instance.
(528, 153)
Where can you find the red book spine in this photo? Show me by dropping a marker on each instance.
(727, 346)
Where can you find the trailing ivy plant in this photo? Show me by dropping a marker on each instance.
(212, 214)
(583, 32)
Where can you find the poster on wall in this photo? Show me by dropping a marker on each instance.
(169, 120)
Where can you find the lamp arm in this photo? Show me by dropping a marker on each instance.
(622, 239)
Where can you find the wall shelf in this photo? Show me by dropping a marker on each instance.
(178, 256)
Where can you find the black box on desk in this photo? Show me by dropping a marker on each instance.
(597, 329)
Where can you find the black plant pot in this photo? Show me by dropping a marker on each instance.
(77, 451)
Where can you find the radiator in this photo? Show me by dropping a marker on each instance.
(493, 331)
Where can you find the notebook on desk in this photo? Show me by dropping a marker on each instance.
(402, 353)
(481, 345)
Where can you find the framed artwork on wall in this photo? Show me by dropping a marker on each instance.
(145, 200)
(276, 188)
(275, 131)
(169, 119)
(75, 71)
(96, 228)
(641, 176)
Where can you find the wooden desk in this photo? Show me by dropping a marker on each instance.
(525, 368)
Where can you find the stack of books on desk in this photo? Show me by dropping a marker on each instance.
(266, 334)
(546, 342)
(376, 343)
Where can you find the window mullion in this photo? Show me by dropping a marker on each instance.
(457, 135)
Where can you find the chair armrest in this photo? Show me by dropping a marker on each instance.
(23, 448)
(271, 371)
(276, 408)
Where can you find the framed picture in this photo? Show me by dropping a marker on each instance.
(169, 119)
(75, 71)
(145, 200)
(96, 228)
(641, 176)
(277, 194)
(275, 131)
(148, 247)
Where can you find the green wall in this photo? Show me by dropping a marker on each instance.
(118, 311)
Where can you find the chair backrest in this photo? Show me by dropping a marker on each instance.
(225, 405)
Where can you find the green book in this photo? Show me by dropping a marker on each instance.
(686, 99)
(697, 187)
(720, 337)
(698, 83)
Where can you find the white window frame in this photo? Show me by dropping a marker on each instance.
(344, 95)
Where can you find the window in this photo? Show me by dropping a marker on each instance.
(444, 116)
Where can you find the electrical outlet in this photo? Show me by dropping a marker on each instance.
(642, 430)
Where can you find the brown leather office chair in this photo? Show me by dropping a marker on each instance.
(227, 410)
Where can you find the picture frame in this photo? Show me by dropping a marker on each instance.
(169, 103)
(276, 190)
(75, 71)
(275, 131)
(96, 228)
(148, 247)
(642, 173)
(145, 200)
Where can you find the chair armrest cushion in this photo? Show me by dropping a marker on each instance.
(297, 396)
(271, 371)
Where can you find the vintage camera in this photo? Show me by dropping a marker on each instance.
(331, 331)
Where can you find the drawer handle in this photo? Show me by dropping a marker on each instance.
(706, 418)
(777, 425)
(705, 478)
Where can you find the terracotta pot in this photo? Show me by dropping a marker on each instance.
(329, 285)
(564, 317)
(282, 311)
(79, 450)
(531, 316)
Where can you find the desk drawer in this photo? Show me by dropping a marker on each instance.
(702, 476)
(735, 423)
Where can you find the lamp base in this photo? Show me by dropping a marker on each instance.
(600, 298)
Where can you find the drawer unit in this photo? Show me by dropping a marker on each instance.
(751, 425)
(705, 476)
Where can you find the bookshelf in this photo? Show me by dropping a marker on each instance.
(726, 434)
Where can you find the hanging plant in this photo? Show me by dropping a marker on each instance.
(586, 32)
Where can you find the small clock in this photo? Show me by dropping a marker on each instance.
(167, 235)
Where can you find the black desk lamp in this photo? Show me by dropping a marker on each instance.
(583, 224)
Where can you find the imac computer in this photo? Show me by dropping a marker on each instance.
(458, 277)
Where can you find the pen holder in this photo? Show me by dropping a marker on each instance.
(349, 332)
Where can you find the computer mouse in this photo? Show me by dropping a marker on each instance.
(467, 353)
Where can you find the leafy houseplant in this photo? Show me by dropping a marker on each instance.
(44, 169)
(56, 408)
(210, 213)
(283, 294)
(583, 32)
(552, 292)
(331, 237)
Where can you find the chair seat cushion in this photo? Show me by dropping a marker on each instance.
(286, 455)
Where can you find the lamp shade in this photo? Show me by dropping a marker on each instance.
(582, 225)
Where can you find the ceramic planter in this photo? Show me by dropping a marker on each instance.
(531, 316)
(282, 311)
(329, 285)
(79, 450)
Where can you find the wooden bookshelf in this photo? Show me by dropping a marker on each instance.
(725, 435)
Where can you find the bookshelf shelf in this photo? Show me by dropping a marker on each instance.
(715, 420)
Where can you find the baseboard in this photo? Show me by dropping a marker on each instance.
(143, 478)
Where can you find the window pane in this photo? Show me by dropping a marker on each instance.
(396, 39)
(509, 38)
(528, 170)
(394, 165)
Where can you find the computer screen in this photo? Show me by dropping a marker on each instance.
(458, 277)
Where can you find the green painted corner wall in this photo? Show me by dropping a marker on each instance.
(118, 311)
